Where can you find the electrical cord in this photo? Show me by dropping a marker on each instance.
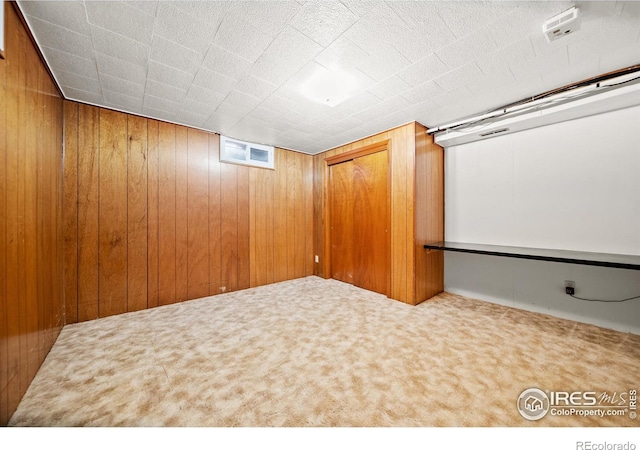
(605, 301)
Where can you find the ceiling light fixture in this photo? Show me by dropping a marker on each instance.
(329, 87)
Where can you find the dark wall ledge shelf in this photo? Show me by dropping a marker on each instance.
(563, 256)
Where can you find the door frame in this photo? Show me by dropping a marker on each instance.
(344, 157)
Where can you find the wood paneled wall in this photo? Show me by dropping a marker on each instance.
(429, 215)
(406, 276)
(31, 300)
(152, 217)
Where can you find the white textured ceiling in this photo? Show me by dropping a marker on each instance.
(235, 67)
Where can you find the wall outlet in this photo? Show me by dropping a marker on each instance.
(317, 259)
(223, 288)
(569, 287)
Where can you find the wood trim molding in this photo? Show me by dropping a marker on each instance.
(353, 154)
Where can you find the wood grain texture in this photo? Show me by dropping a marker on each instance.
(152, 213)
(192, 226)
(137, 226)
(88, 220)
(215, 216)
(31, 194)
(370, 240)
(167, 213)
(198, 214)
(113, 213)
(429, 215)
(342, 217)
(402, 196)
(182, 232)
(70, 210)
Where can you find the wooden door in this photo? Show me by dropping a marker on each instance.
(341, 185)
(371, 222)
(359, 221)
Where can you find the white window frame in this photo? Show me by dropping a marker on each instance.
(236, 151)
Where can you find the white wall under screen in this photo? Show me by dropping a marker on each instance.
(573, 185)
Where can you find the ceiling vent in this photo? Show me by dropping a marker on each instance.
(561, 25)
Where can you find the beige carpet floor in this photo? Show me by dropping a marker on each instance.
(314, 352)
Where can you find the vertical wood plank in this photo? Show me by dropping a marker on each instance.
(215, 276)
(4, 337)
(167, 213)
(254, 239)
(152, 214)
(113, 213)
(398, 215)
(22, 182)
(229, 226)
(36, 198)
(243, 228)
(88, 206)
(299, 216)
(12, 123)
(280, 236)
(136, 213)
(71, 211)
(307, 183)
(198, 214)
(182, 249)
(291, 216)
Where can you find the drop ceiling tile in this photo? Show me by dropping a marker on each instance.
(121, 69)
(360, 7)
(254, 130)
(424, 70)
(146, 6)
(199, 108)
(174, 55)
(71, 93)
(619, 58)
(72, 79)
(465, 17)
(158, 114)
(525, 20)
(384, 63)
(119, 46)
(423, 92)
(492, 80)
(342, 53)
(557, 60)
(241, 38)
(473, 46)
(270, 17)
(383, 108)
(256, 87)
(176, 25)
(501, 59)
(288, 53)
(169, 75)
(161, 104)
(61, 38)
(323, 21)
(71, 63)
(214, 81)
(393, 85)
(190, 118)
(231, 110)
(206, 11)
(220, 122)
(206, 96)
(122, 86)
(582, 70)
(122, 101)
(242, 100)
(122, 19)
(165, 91)
(70, 15)
(355, 104)
(460, 77)
(227, 63)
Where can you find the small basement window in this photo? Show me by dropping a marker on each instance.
(247, 153)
